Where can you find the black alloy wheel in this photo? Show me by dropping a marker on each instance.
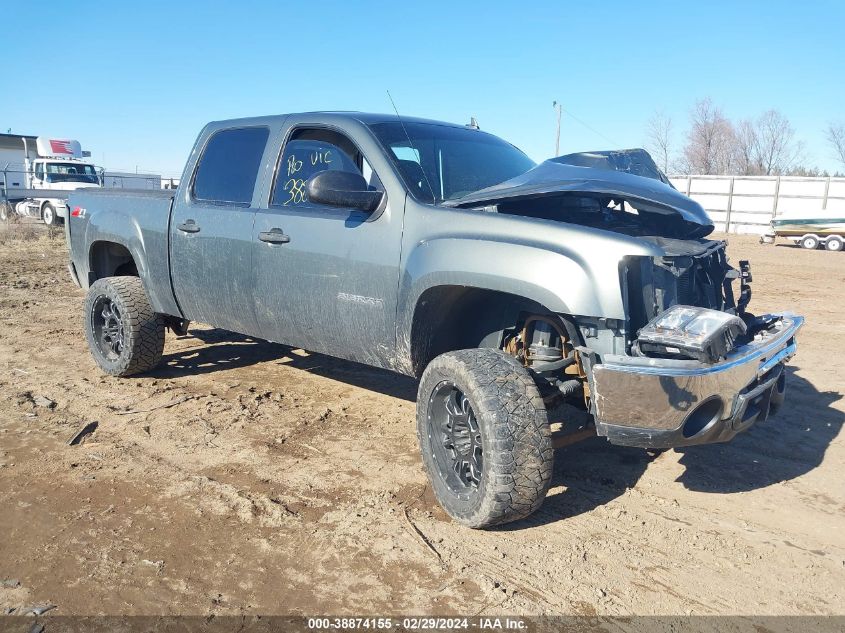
(124, 333)
(484, 436)
(455, 438)
(107, 323)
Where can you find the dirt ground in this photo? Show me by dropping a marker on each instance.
(245, 477)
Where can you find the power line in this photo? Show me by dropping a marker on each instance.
(588, 126)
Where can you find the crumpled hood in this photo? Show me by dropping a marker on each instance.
(629, 174)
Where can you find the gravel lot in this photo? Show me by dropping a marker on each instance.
(246, 477)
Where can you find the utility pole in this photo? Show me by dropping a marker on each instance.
(557, 107)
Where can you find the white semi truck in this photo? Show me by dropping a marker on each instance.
(37, 174)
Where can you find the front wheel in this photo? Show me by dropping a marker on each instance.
(48, 214)
(124, 334)
(484, 437)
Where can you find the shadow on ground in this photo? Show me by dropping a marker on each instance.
(218, 350)
(788, 445)
(592, 473)
(784, 447)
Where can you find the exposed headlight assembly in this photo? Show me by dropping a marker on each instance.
(691, 333)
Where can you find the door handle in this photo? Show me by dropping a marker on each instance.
(274, 236)
(189, 226)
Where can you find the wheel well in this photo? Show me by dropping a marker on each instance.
(108, 259)
(449, 318)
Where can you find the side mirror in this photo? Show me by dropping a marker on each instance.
(343, 189)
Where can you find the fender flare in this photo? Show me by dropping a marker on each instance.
(124, 230)
(561, 282)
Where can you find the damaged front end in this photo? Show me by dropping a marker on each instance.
(660, 401)
(694, 274)
(700, 368)
(690, 272)
(688, 364)
(621, 191)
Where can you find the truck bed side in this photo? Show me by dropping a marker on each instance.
(107, 226)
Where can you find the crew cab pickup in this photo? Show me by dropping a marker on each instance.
(443, 252)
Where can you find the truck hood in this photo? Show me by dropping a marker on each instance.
(71, 186)
(630, 175)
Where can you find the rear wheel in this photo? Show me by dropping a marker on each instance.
(833, 243)
(48, 214)
(124, 334)
(810, 242)
(484, 437)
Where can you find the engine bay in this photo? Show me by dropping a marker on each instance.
(634, 218)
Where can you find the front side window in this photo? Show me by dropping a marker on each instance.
(442, 162)
(228, 167)
(309, 152)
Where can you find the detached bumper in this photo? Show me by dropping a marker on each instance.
(658, 403)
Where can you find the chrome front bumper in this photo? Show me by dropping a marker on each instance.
(660, 403)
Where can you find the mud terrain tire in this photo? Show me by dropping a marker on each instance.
(124, 334)
(510, 428)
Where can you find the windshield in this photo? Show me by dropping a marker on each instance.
(442, 162)
(72, 172)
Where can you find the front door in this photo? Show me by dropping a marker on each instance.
(326, 277)
(211, 232)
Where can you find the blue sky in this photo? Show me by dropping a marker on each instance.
(134, 82)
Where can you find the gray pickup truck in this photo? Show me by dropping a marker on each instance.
(442, 252)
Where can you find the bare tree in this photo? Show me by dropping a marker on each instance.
(746, 148)
(836, 137)
(803, 170)
(659, 138)
(711, 140)
(776, 149)
(764, 146)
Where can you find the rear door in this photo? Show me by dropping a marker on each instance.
(211, 231)
(326, 277)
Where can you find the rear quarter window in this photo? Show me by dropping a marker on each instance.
(228, 167)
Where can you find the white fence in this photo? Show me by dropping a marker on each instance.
(746, 204)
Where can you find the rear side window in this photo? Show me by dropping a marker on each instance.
(228, 167)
